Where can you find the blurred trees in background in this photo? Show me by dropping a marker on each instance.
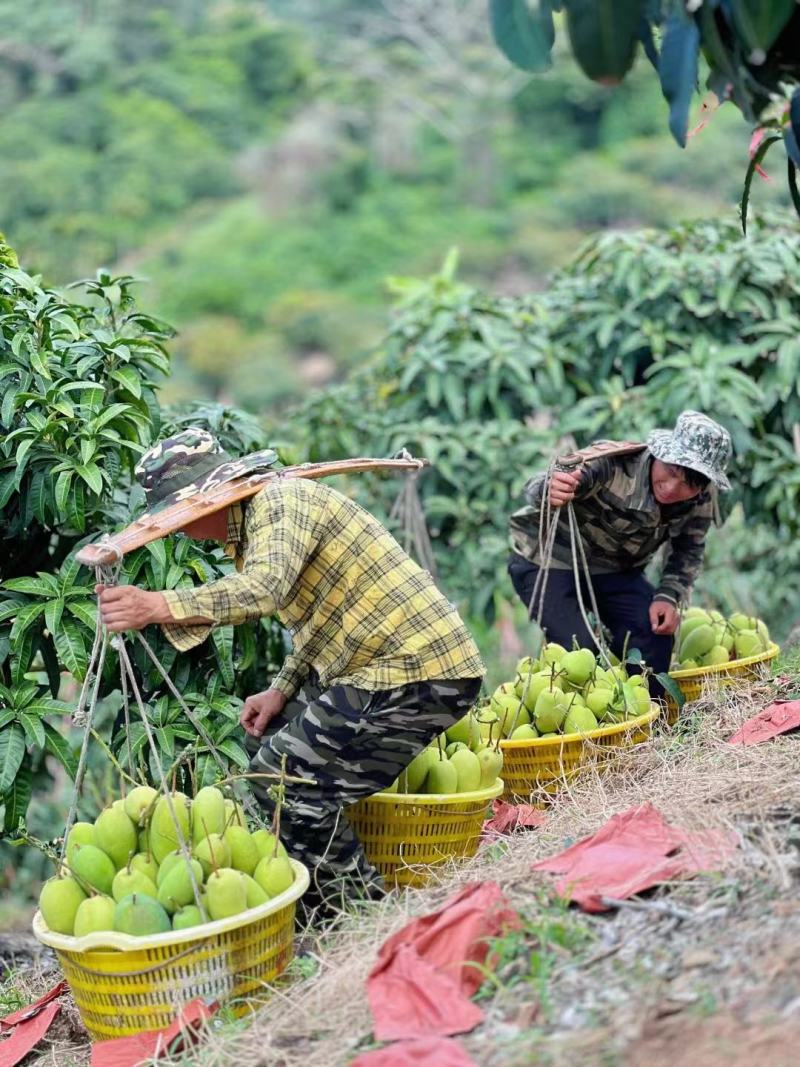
(267, 164)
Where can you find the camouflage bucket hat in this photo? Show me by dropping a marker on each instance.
(191, 462)
(697, 442)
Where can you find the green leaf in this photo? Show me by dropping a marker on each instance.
(26, 617)
(18, 797)
(755, 161)
(58, 746)
(9, 406)
(677, 69)
(671, 687)
(71, 649)
(34, 586)
(129, 379)
(22, 655)
(12, 753)
(8, 481)
(85, 611)
(33, 727)
(222, 636)
(52, 614)
(90, 473)
(63, 483)
(524, 32)
(235, 753)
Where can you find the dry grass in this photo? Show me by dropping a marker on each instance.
(601, 980)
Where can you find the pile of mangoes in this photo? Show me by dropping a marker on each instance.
(458, 761)
(708, 639)
(125, 872)
(563, 692)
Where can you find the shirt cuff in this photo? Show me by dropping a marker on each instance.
(180, 636)
(662, 595)
(287, 681)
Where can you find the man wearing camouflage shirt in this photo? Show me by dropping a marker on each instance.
(381, 661)
(627, 506)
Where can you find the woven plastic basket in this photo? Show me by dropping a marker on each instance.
(405, 835)
(545, 764)
(123, 985)
(692, 683)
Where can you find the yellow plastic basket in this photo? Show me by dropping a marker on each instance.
(406, 835)
(692, 682)
(546, 764)
(123, 985)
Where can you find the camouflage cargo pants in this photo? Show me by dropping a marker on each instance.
(352, 743)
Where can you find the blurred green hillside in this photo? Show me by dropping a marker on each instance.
(266, 165)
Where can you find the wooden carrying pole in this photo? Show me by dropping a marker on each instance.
(153, 525)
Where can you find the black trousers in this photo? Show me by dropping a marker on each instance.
(623, 601)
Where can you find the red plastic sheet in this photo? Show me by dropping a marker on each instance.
(26, 1035)
(28, 1026)
(152, 1045)
(509, 817)
(425, 974)
(634, 851)
(428, 1052)
(777, 718)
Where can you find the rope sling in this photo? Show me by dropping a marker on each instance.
(407, 511)
(549, 518)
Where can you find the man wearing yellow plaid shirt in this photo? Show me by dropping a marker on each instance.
(381, 661)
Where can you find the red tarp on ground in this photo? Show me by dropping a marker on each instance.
(775, 719)
(422, 982)
(634, 851)
(509, 817)
(153, 1044)
(425, 1052)
(29, 1025)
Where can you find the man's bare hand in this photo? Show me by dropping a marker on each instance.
(260, 709)
(664, 617)
(563, 487)
(126, 607)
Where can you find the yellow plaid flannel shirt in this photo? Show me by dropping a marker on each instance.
(360, 612)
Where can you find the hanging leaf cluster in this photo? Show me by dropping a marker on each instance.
(750, 48)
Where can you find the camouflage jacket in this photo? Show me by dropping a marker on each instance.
(622, 524)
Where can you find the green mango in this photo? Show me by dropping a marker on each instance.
(59, 901)
(227, 892)
(129, 881)
(578, 666)
(491, 761)
(549, 713)
(94, 915)
(274, 875)
(140, 916)
(94, 867)
(187, 917)
(442, 777)
(526, 732)
(116, 835)
(163, 835)
(138, 801)
(82, 833)
(579, 721)
(208, 814)
(698, 643)
(468, 770)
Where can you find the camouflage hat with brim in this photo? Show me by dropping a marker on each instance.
(697, 442)
(192, 462)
